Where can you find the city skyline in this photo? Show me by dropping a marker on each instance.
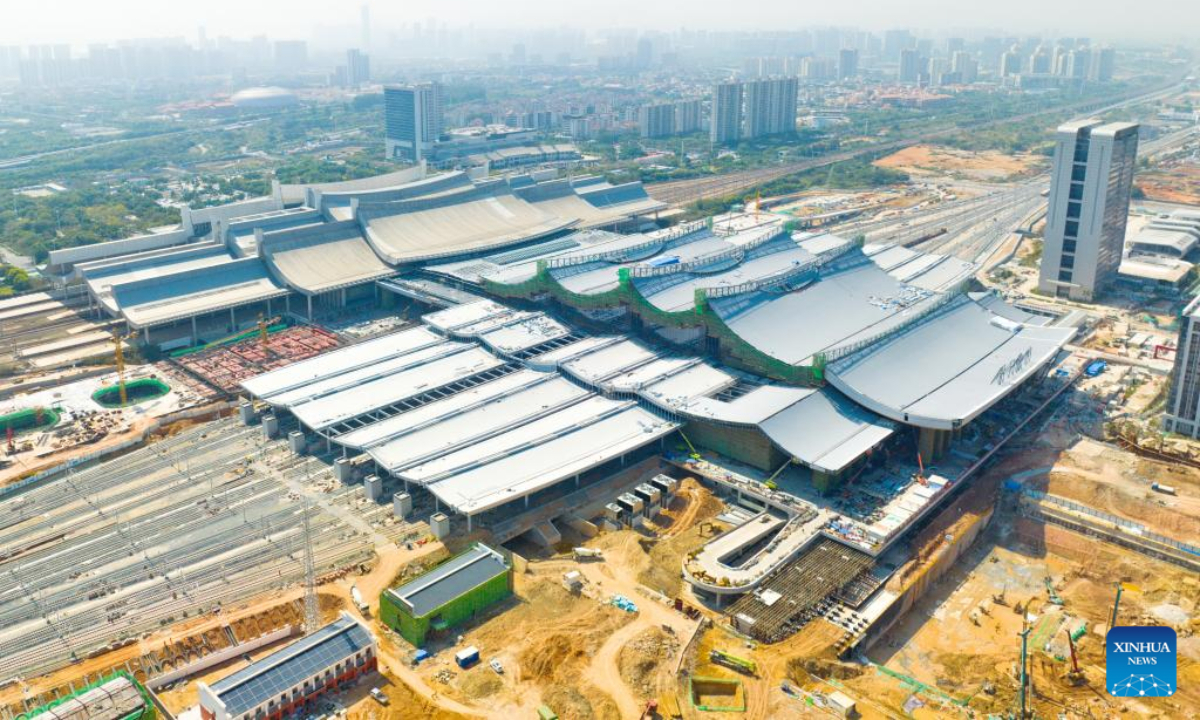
(129, 19)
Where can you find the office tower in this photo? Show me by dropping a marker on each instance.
(964, 66)
(847, 63)
(1040, 62)
(954, 45)
(725, 121)
(291, 55)
(645, 53)
(687, 117)
(657, 120)
(910, 65)
(413, 120)
(1103, 63)
(1089, 204)
(895, 41)
(1182, 412)
(1077, 64)
(1010, 63)
(770, 106)
(358, 67)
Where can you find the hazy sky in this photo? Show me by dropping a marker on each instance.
(81, 21)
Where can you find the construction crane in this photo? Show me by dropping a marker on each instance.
(1024, 677)
(1112, 623)
(119, 356)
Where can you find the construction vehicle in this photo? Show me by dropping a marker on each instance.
(1164, 489)
(650, 712)
(1074, 675)
(1054, 598)
(583, 553)
(733, 662)
(1000, 598)
(357, 597)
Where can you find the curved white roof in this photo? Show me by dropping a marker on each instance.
(456, 224)
(323, 257)
(945, 370)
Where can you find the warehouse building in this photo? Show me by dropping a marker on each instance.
(447, 596)
(115, 697)
(288, 681)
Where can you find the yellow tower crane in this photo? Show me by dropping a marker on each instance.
(119, 356)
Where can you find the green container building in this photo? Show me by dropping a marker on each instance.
(113, 697)
(447, 596)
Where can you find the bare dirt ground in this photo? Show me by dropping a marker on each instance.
(928, 160)
(1172, 182)
(1117, 482)
(961, 639)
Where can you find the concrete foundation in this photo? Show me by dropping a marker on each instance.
(439, 525)
(296, 442)
(270, 426)
(402, 504)
(373, 487)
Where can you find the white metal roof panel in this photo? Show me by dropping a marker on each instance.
(564, 421)
(600, 364)
(476, 425)
(826, 431)
(384, 430)
(948, 369)
(360, 399)
(338, 361)
(332, 384)
(541, 464)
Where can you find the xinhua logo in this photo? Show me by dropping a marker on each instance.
(1140, 661)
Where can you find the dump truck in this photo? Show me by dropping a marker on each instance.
(582, 553)
(733, 662)
(1164, 489)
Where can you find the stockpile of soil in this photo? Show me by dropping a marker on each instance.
(644, 658)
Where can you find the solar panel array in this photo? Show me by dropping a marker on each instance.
(274, 675)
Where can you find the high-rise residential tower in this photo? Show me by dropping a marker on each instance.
(1093, 172)
(771, 106)
(413, 120)
(725, 123)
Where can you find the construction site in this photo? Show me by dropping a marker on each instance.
(564, 463)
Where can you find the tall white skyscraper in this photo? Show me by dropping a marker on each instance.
(1094, 165)
(1182, 413)
(413, 120)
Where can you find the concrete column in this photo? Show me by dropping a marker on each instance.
(232, 320)
(526, 502)
(195, 333)
(932, 444)
(468, 523)
(343, 297)
(310, 316)
(146, 333)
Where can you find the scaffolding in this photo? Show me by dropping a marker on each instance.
(801, 591)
